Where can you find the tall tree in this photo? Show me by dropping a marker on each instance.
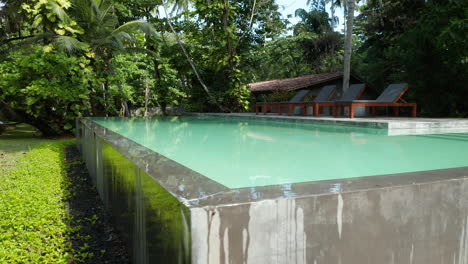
(319, 42)
(46, 89)
(217, 34)
(29, 21)
(348, 46)
(419, 42)
(315, 21)
(190, 61)
(318, 4)
(148, 10)
(106, 36)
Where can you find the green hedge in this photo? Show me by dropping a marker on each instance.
(33, 214)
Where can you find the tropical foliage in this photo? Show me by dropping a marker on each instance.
(48, 88)
(421, 42)
(60, 59)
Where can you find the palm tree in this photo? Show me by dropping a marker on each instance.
(333, 5)
(348, 6)
(316, 21)
(103, 35)
(100, 31)
(348, 44)
(15, 22)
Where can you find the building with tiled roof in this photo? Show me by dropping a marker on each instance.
(295, 82)
(312, 82)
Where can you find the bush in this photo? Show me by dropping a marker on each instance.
(33, 214)
(49, 89)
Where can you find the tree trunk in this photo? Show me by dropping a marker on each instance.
(157, 75)
(345, 12)
(42, 126)
(147, 94)
(191, 62)
(123, 102)
(23, 117)
(348, 45)
(332, 13)
(8, 113)
(230, 49)
(251, 19)
(162, 90)
(104, 96)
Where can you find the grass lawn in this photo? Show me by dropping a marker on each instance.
(14, 143)
(49, 210)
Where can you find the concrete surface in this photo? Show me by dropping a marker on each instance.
(394, 125)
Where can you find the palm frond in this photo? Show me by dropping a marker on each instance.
(106, 9)
(116, 43)
(146, 27)
(94, 7)
(122, 36)
(300, 12)
(178, 5)
(69, 44)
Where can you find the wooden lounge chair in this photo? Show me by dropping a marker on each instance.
(354, 92)
(391, 96)
(297, 98)
(323, 96)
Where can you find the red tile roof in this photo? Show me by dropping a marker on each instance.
(293, 83)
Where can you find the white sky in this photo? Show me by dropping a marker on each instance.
(288, 7)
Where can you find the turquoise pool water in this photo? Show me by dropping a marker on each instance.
(246, 153)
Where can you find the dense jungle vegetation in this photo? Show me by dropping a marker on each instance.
(60, 59)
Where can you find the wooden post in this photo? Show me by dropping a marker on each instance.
(335, 110)
(415, 108)
(351, 111)
(397, 111)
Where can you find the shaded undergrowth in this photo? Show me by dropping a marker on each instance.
(96, 237)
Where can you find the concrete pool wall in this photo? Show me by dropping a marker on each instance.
(171, 214)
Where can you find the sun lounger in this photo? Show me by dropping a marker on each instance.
(391, 96)
(324, 95)
(300, 95)
(353, 93)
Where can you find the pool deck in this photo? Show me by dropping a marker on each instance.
(394, 125)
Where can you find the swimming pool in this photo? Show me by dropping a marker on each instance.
(247, 153)
(263, 191)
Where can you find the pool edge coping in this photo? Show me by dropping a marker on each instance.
(394, 126)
